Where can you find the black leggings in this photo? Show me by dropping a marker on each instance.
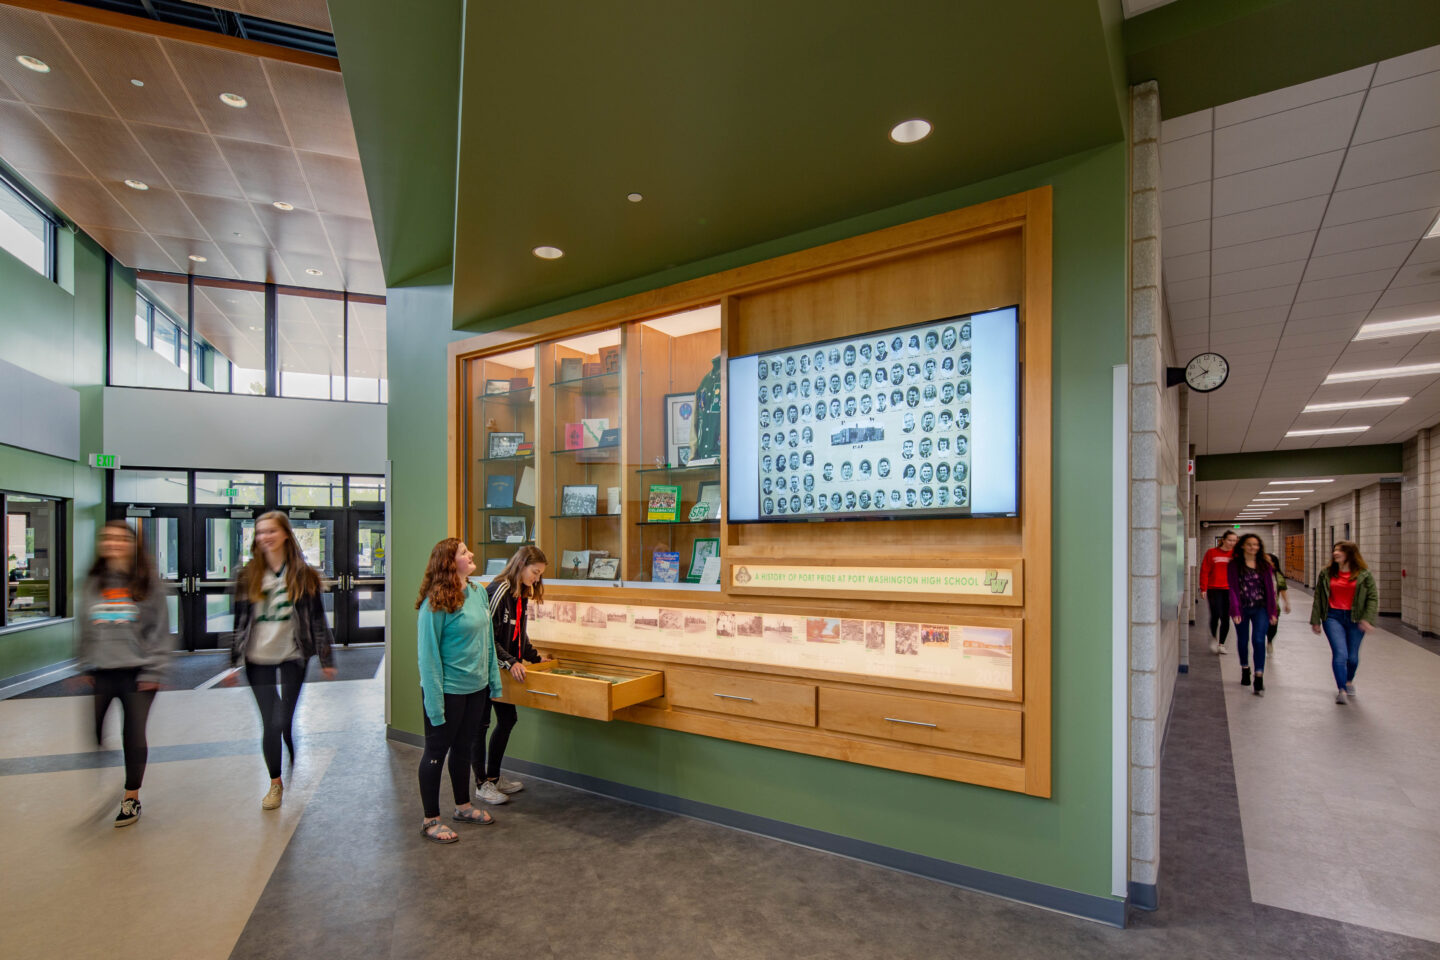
(456, 736)
(123, 685)
(487, 762)
(1219, 613)
(277, 707)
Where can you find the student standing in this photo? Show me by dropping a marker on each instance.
(1252, 605)
(1215, 586)
(458, 670)
(279, 625)
(511, 594)
(1345, 606)
(1282, 594)
(124, 646)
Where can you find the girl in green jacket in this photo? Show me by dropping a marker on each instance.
(1345, 606)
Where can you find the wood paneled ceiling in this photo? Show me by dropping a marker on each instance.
(80, 131)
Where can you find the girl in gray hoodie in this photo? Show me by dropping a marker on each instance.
(124, 645)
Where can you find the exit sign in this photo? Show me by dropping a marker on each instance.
(230, 492)
(1237, 526)
(105, 461)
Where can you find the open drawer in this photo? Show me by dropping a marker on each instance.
(582, 689)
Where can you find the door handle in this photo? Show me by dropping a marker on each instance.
(913, 723)
(731, 696)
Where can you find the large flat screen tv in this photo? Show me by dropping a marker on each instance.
(910, 422)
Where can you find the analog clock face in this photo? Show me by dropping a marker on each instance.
(1207, 372)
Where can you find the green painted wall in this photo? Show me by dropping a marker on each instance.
(57, 330)
(1062, 841)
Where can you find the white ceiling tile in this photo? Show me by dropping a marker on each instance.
(1263, 317)
(1185, 239)
(1240, 281)
(1251, 299)
(1369, 233)
(1263, 253)
(1382, 199)
(1185, 161)
(1190, 310)
(1181, 291)
(1187, 267)
(1280, 220)
(1179, 128)
(1413, 274)
(1185, 204)
(1402, 308)
(1302, 132)
(1288, 98)
(1336, 306)
(1394, 157)
(1428, 251)
(1282, 182)
(1409, 65)
(1425, 293)
(1400, 107)
(1387, 257)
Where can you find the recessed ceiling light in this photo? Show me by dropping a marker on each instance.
(548, 253)
(1385, 373)
(314, 273)
(910, 131)
(1397, 328)
(197, 258)
(136, 82)
(33, 63)
(1354, 404)
(282, 205)
(137, 184)
(1274, 482)
(1325, 430)
(634, 197)
(234, 100)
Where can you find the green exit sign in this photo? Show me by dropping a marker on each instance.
(230, 492)
(105, 461)
(1237, 526)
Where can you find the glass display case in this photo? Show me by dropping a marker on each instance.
(584, 477)
(501, 476)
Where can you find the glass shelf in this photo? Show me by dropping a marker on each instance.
(518, 506)
(509, 397)
(515, 459)
(686, 469)
(673, 523)
(584, 516)
(596, 383)
(611, 453)
(503, 543)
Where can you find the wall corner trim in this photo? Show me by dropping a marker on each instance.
(1144, 896)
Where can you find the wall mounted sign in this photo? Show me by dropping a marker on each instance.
(991, 583)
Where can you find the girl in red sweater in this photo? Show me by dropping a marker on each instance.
(1215, 587)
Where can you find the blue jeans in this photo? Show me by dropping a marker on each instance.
(1344, 636)
(1254, 621)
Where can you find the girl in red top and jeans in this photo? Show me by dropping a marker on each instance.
(1346, 603)
(1252, 605)
(1215, 586)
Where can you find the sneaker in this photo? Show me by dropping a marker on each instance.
(1350, 691)
(509, 785)
(1259, 684)
(1214, 645)
(272, 797)
(1223, 651)
(129, 812)
(1341, 698)
(1244, 676)
(490, 793)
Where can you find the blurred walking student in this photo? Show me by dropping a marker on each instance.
(279, 625)
(124, 645)
(1345, 606)
(458, 671)
(1282, 594)
(511, 593)
(1252, 605)
(1215, 585)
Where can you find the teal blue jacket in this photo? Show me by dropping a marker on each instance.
(457, 652)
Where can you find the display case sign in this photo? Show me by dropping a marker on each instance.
(999, 584)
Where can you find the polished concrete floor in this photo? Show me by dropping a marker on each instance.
(341, 871)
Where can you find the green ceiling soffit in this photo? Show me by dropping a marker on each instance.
(742, 123)
(1314, 462)
(401, 63)
(1208, 52)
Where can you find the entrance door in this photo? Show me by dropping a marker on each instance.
(361, 611)
(165, 532)
(224, 536)
(320, 533)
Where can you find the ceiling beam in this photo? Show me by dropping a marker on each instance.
(1312, 462)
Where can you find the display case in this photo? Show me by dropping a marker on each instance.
(499, 439)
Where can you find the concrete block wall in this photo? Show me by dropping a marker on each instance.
(1378, 537)
(1417, 583)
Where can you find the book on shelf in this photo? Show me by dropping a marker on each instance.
(524, 448)
(499, 491)
(591, 430)
(663, 503)
(525, 489)
(574, 436)
(571, 368)
(665, 567)
(591, 370)
(610, 437)
(519, 383)
(610, 359)
(612, 499)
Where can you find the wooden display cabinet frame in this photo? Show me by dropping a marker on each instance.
(988, 256)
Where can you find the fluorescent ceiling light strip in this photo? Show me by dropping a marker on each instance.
(1325, 430)
(1385, 373)
(1434, 230)
(1397, 328)
(1274, 482)
(1354, 404)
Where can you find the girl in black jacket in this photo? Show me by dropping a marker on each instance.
(513, 590)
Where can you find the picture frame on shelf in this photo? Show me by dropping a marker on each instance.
(707, 504)
(665, 567)
(499, 491)
(604, 568)
(500, 445)
(575, 564)
(703, 549)
(492, 387)
(580, 500)
(679, 422)
(663, 503)
(506, 529)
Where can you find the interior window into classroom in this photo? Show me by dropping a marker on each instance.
(33, 563)
(26, 231)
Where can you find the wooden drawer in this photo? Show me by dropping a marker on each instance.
(948, 725)
(741, 696)
(582, 696)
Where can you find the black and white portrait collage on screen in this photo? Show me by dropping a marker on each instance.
(872, 424)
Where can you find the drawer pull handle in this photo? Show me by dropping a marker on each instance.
(543, 693)
(913, 723)
(731, 696)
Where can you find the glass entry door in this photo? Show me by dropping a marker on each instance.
(165, 533)
(362, 610)
(225, 536)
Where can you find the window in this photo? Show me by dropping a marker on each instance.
(151, 486)
(34, 560)
(365, 377)
(367, 490)
(307, 490)
(229, 336)
(230, 489)
(312, 347)
(26, 230)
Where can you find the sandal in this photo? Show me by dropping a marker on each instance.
(473, 815)
(437, 832)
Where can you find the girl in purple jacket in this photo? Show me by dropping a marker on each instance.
(1252, 605)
